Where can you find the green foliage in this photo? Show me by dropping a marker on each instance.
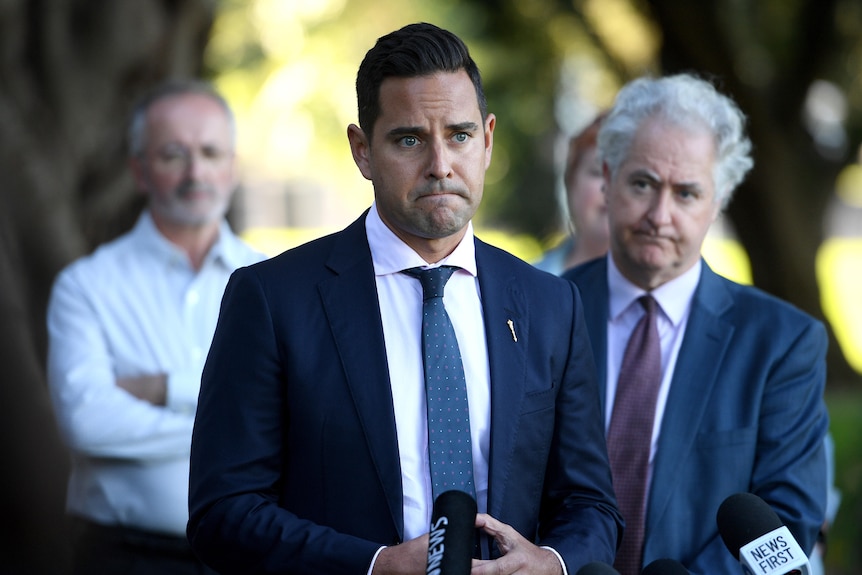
(288, 68)
(844, 554)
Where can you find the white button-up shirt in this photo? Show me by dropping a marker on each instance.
(134, 307)
(400, 298)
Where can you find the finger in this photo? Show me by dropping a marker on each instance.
(505, 535)
(489, 524)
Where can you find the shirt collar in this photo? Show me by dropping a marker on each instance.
(226, 250)
(391, 255)
(673, 297)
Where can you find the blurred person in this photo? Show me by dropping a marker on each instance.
(129, 328)
(315, 447)
(727, 394)
(586, 214)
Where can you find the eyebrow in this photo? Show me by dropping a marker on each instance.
(644, 173)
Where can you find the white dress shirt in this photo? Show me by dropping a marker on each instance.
(400, 298)
(674, 300)
(134, 307)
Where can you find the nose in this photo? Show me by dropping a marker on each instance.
(439, 162)
(195, 166)
(660, 208)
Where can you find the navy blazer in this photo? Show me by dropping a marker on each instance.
(294, 462)
(745, 413)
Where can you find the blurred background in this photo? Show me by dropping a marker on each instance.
(71, 69)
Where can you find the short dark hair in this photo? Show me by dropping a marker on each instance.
(415, 50)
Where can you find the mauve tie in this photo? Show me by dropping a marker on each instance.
(630, 433)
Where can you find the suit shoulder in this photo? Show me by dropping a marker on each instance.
(776, 314)
(587, 271)
(304, 256)
(513, 265)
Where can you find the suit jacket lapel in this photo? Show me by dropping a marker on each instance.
(704, 344)
(593, 287)
(350, 301)
(502, 300)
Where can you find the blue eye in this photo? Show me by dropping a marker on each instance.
(461, 137)
(409, 141)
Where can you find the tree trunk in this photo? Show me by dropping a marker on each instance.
(778, 213)
(69, 72)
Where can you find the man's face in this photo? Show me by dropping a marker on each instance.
(661, 202)
(187, 165)
(427, 159)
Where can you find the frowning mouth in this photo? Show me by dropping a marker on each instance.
(650, 237)
(191, 192)
(437, 192)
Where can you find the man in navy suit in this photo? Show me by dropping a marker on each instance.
(739, 406)
(310, 450)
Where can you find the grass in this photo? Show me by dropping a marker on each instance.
(844, 552)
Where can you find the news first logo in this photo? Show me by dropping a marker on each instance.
(775, 553)
(435, 546)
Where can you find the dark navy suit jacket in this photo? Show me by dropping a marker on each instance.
(745, 413)
(294, 463)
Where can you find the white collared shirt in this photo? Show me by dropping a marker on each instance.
(134, 307)
(674, 299)
(400, 298)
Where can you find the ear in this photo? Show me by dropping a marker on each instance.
(606, 174)
(716, 211)
(490, 124)
(139, 175)
(360, 147)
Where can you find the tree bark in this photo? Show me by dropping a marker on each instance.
(767, 65)
(69, 72)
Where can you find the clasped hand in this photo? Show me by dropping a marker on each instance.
(519, 556)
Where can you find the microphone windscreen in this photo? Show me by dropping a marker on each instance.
(665, 567)
(597, 568)
(452, 537)
(742, 518)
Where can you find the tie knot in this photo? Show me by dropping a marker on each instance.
(649, 304)
(433, 279)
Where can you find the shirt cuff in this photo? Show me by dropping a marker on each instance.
(184, 385)
(374, 560)
(559, 557)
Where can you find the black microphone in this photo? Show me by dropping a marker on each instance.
(453, 534)
(597, 568)
(754, 534)
(665, 567)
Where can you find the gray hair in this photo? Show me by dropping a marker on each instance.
(137, 134)
(684, 100)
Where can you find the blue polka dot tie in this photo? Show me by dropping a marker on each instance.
(449, 445)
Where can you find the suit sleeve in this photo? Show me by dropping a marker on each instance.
(236, 524)
(790, 470)
(580, 517)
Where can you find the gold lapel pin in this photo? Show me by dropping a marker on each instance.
(511, 325)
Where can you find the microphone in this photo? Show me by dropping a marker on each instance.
(665, 567)
(597, 568)
(452, 537)
(754, 534)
